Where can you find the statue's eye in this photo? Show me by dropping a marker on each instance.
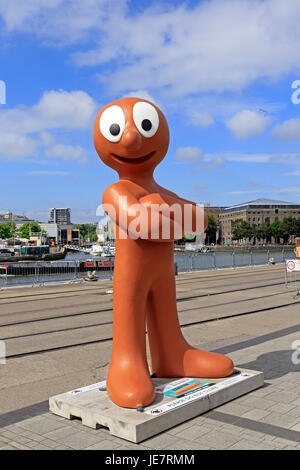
(145, 118)
(112, 123)
(115, 129)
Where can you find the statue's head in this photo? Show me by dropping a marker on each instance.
(131, 135)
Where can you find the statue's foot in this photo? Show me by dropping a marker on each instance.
(129, 386)
(193, 362)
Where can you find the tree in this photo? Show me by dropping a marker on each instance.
(7, 230)
(236, 229)
(298, 227)
(264, 232)
(289, 227)
(276, 229)
(87, 231)
(211, 229)
(241, 230)
(28, 229)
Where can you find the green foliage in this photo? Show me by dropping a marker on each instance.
(264, 231)
(211, 229)
(290, 226)
(87, 231)
(7, 230)
(29, 229)
(276, 230)
(241, 229)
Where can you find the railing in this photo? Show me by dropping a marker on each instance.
(77, 248)
(40, 273)
(292, 276)
(187, 262)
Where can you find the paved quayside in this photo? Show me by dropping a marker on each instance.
(59, 338)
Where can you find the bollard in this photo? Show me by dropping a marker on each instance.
(176, 268)
(36, 276)
(76, 270)
(3, 278)
(214, 260)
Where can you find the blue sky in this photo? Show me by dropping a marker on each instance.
(222, 72)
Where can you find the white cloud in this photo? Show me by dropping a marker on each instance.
(257, 184)
(188, 154)
(55, 110)
(287, 190)
(247, 191)
(293, 173)
(202, 119)
(290, 158)
(16, 13)
(245, 124)
(59, 21)
(213, 161)
(201, 186)
(216, 162)
(14, 146)
(288, 130)
(47, 138)
(194, 155)
(68, 152)
(251, 158)
(144, 95)
(215, 45)
(47, 173)
(212, 46)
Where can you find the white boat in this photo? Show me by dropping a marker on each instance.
(102, 250)
(194, 247)
(97, 250)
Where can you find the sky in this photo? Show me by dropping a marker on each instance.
(226, 74)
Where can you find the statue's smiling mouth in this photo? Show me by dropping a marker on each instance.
(133, 160)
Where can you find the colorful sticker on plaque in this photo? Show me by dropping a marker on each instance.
(187, 387)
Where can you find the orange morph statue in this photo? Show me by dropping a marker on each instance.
(131, 136)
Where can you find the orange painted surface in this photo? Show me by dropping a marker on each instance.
(144, 281)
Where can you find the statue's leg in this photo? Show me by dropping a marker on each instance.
(171, 355)
(128, 382)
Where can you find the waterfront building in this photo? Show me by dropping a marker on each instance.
(215, 211)
(255, 213)
(60, 215)
(64, 232)
(52, 231)
(69, 235)
(17, 219)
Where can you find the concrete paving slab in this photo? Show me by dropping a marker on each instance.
(95, 409)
